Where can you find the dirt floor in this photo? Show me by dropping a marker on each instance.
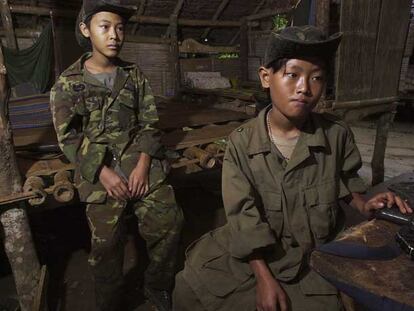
(62, 235)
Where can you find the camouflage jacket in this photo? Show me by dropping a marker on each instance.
(96, 125)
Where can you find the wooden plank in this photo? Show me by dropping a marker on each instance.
(175, 117)
(230, 93)
(392, 33)
(384, 278)
(355, 68)
(183, 139)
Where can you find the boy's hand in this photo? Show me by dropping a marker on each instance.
(385, 199)
(270, 296)
(115, 186)
(138, 182)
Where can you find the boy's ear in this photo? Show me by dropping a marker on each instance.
(84, 30)
(264, 74)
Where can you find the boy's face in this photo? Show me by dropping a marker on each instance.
(296, 88)
(106, 32)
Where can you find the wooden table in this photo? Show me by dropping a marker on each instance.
(393, 279)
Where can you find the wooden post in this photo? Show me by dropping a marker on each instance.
(175, 54)
(8, 24)
(174, 18)
(56, 50)
(377, 164)
(18, 241)
(322, 15)
(244, 51)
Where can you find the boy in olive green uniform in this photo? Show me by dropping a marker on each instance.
(104, 114)
(283, 174)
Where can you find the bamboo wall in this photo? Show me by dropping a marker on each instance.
(372, 48)
(407, 69)
(155, 62)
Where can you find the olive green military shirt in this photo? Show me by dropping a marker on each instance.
(97, 125)
(292, 206)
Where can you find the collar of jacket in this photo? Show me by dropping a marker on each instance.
(312, 134)
(77, 67)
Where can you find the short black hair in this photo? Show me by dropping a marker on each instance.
(278, 64)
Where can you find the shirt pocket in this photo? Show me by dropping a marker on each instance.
(93, 107)
(272, 203)
(322, 206)
(127, 114)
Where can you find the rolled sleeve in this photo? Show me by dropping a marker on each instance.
(248, 231)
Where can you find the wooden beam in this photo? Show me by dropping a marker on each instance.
(25, 9)
(141, 10)
(216, 15)
(269, 13)
(322, 15)
(7, 21)
(174, 17)
(257, 9)
(244, 51)
(56, 55)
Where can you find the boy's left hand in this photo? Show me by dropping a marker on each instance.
(386, 199)
(138, 182)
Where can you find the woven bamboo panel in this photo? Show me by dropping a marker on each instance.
(154, 61)
(372, 48)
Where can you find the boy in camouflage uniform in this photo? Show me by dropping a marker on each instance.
(283, 174)
(104, 111)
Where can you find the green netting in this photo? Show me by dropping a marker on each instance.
(32, 64)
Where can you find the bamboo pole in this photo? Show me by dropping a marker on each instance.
(18, 242)
(26, 9)
(8, 24)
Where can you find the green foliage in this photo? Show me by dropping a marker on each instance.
(228, 55)
(279, 21)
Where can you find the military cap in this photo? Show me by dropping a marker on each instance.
(91, 7)
(303, 41)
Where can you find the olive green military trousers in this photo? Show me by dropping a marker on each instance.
(184, 299)
(159, 223)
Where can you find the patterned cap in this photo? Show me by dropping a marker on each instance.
(303, 41)
(91, 7)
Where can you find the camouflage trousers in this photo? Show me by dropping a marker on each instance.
(159, 223)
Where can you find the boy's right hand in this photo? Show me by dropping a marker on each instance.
(115, 186)
(270, 296)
